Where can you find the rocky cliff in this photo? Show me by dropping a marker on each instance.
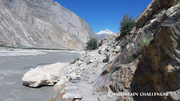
(41, 24)
(149, 64)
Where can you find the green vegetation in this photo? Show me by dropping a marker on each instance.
(126, 25)
(91, 44)
(131, 58)
(74, 61)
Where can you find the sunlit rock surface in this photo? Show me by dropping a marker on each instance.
(45, 75)
(41, 24)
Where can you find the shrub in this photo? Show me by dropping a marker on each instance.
(74, 61)
(126, 25)
(91, 44)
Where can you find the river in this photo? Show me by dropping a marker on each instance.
(12, 69)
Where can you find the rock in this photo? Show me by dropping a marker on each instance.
(61, 84)
(74, 76)
(151, 62)
(152, 8)
(45, 75)
(79, 63)
(108, 39)
(32, 24)
(116, 50)
(71, 88)
(72, 96)
(69, 93)
(145, 34)
(72, 62)
(158, 69)
(93, 59)
(102, 49)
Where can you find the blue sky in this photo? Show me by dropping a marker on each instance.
(104, 14)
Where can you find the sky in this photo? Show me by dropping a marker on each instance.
(104, 14)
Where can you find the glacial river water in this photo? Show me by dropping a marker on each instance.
(12, 69)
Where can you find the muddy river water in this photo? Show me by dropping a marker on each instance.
(12, 69)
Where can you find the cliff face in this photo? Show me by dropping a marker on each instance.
(41, 24)
(151, 62)
(158, 69)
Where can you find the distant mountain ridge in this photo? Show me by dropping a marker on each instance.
(41, 24)
(104, 33)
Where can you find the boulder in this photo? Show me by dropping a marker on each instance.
(79, 63)
(116, 50)
(45, 75)
(72, 96)
(74, 76)
(102, 49)
(61, 84)
(72, 62)
(93, 59)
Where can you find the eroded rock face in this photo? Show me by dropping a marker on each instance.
(115, 80)
(157, 67)
(154, 7)
(159, 70)
(145, 34)
(41, 24)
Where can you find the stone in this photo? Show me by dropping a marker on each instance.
(79, 63)
(107, 40)
(72, 96)
(72, 62)
(102, 49)
(61, 84)
(93, 59)
(74, 76)
(45, 75)
(116, 50)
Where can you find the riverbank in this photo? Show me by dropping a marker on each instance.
(14, 67)
(25, 52)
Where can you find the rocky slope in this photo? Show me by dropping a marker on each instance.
(82, 75)
(41, 24)
(151, 62)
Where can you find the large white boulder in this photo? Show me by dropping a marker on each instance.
(45, 75)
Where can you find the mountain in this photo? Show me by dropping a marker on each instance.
(104, 33)
(41, 24)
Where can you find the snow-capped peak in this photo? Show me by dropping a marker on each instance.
(106, 31)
